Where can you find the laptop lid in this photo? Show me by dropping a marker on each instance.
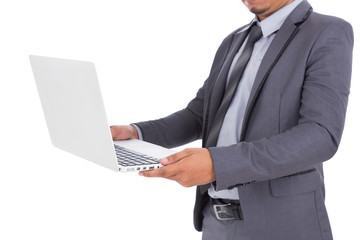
(73, 107)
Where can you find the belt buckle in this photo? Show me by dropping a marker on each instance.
(219, 211)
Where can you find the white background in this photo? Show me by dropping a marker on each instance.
(151, 56)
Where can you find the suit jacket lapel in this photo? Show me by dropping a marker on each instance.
(282, 39)
(218, 89)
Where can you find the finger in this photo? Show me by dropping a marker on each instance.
(113, 131)
(171, 172)
(121, 132)
(165, 172)
(175, 157)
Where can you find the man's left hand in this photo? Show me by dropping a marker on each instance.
(190, 167)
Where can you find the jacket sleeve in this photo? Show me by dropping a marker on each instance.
(174, 130)
(322, 115)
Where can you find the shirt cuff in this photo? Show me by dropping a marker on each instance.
(138, 132)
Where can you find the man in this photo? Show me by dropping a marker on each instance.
(270, 113)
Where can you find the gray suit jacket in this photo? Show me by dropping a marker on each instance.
(293, 123)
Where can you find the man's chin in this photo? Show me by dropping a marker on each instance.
(258, 11)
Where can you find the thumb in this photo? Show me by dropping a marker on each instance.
(174, 158)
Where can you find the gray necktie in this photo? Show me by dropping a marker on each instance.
(238, 70)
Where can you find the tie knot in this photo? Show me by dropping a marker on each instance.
(255, 34)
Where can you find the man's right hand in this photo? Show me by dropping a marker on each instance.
(122, 132)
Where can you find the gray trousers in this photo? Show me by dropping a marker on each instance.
(214, 229)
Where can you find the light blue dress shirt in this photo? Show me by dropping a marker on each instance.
(230, 130)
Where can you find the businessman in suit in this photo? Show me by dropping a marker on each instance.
(270, 113)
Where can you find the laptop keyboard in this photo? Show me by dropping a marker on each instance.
(130, 158)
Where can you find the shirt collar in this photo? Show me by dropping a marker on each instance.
(273, 23)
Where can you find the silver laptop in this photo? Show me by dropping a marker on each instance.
(75, 115)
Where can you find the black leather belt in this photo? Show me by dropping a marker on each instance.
(226, 210)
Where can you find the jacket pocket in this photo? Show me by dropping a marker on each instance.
(296, 184)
